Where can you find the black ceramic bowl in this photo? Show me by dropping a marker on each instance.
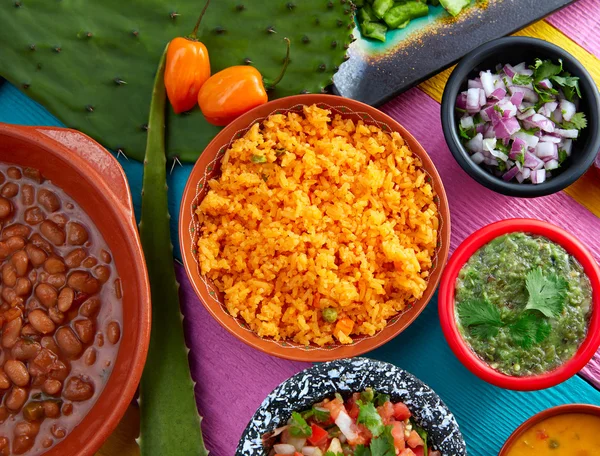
(347, 376)
(514, 50)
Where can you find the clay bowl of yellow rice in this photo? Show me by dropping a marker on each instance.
(314, 228)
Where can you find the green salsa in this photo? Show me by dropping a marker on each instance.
(507, 331)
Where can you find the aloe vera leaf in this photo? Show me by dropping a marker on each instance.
(170, 423)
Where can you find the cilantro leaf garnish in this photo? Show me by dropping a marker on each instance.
(484, 331)
(577, 122)
(466, 133)
(384, 444)
(546, 69)
(479, 312)
(368, 415)
(299, 427)
(569, 84)
(522, 79)
(362, 450)
(547, 294)
(562, 156)
(524, 330)
(543, 330)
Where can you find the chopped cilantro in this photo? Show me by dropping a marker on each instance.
(321, 415)
(501, 165)
(384, 444)
(362, 450)
(547, 294)
(331, 453)
(466, 133)
(522, 79)
(546, 69)
(477, 119)
(381, 399)
(498, 109)
(577, 122)
(299, 427)
(368, 415)
(368, 395)
(569, 84)
(521, 157)
(562, 156)
(545, 95)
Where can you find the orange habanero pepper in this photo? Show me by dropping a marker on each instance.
(234, 91)
(187, 69)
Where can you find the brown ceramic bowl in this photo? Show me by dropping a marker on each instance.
(548, 413)
(91, 176)
(208, 167)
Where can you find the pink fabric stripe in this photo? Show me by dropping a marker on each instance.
(473, 206)
(580, 21)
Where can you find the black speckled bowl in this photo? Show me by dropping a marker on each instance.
(347, 376)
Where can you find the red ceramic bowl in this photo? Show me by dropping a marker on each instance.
(548, 413)
(91, 176)
(208, 167)
(447, 309)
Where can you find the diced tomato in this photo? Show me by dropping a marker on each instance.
(352, 406)
(414, 440)
(398, 434)
(407, 452)
(334, 406)
(419, 451)
(386, 411)
(364, 433)
(541, 434)
(401, 411)
(318, 436)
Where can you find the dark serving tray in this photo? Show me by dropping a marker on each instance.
(376, 72)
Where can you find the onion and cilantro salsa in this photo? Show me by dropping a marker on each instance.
(365, 424)
(523, 304)
(520, 122)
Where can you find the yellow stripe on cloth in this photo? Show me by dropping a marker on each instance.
(586, 190)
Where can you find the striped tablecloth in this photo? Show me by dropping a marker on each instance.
(232, 379)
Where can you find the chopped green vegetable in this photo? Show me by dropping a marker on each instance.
(384, 444)
(366, 14)
(380, 7)
(367, 395)
(423, 434)
(368, 415)
(547, 294)
(298, 426)
(381, 399)
(373, 30)
(280, 152)
(329, 314)
(501, 165)
(362, 450)
(562, 156)
(359, 3)
(454, 6)
(466, 133)
(331, 453)
(400, 15)
(322, 415)
(258, 158)
(522, 79)
(577, 122)
(546, 69)
(569, 84)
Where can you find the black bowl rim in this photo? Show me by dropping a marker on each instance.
(347, 376)
(556, 184)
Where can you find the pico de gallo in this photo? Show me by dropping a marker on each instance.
(365, 424)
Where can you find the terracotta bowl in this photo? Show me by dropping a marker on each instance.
(208, 167)
(91, 176)
(548, 413)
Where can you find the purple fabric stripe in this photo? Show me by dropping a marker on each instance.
(473, 206)
(580, 22)
(228, 372)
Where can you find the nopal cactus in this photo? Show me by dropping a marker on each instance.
(92, 64)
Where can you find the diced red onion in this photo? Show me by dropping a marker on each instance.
(550, 138)
(489, 144)
(557, 116)
(571, 134)
(510, 110)
(545, 149)
(491, 162)
(482, 97)
(510, 174)
(526, 114)
(545, 84)
(461, 101)
(526, 173)
(499, 94)
(489, 132)
(467, 122)
(477, 158)
(311, 451)
(531, 161)
(538, 176)
(473, 103)
(519, 67)
(509, 70)
(528, 94)
(542, 122)
(500, 155)
(480, 128)
(518, 145)
(567, 145)
(531, 140)
(517, 98)
(548, 108)
(567, 109)
(474, 84)
(507, 127)
(475, 144)
(284, 448)
(487, 81)
(551, 164)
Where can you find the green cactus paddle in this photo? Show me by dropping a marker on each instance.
(92, 63)
(170, 423)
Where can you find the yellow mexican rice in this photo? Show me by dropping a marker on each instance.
(318, 218)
